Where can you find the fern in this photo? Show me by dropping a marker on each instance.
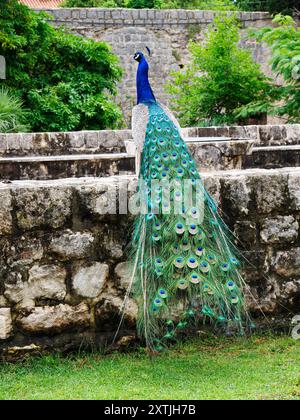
(12, 113)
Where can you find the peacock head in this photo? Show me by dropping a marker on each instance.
(138, 56)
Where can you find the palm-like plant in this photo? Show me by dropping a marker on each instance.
(12, 113)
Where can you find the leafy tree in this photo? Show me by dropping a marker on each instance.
(155, 4)
(284, 41)
(197, 4)
(93, 3)
(272, 6)
(141, 4)
(66, 81)
(221, 77)
(12, 113)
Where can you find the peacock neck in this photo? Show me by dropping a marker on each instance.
(144, 90)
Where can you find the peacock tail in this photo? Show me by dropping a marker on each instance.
(185, 269)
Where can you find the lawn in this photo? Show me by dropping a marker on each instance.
(211, 368)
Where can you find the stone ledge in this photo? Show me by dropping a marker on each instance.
(62, 143)
(66, 166)
(265, 135)
(70, 182)
(48, 204)
(146, 16)
(92, 181)
(113, 141)
(55, 319)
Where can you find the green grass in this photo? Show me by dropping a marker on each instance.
(214, 368)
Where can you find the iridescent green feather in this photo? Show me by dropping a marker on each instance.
(184, 266)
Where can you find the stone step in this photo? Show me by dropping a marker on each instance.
(213, 153)
(264, 135)
(210, 154)
(67, 166)
(68, 143)
(273, 157)
(218, 153)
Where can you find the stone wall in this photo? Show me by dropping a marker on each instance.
(166, 32)
(112, 141)
(77, 142)
(264, 135)
(63, 269)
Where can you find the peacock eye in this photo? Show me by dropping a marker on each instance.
(231, 285)
(163, 293)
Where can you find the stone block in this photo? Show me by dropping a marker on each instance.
(290, 291)
(88, 282)
(5, 211)
(112, 242)
(107, 313)
(3, 302)
(91, 14)
(123, 272)
(3, 144)
(25, 251)
(76, 139)
(237, 194)
(27, 142)
(55, 319)
(287, 263)
(6, 325)
(72, 245)
(292, 134)
(82, 14)
(246, 233)
(45, 282)
(213, 187)
(13, 141)
(282, 229)
(270, 192)
(294, 190)
(91, 139)
(99, 199)
(266, 302)
(43, 206)
(271, 135)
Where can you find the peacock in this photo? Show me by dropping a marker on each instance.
(184, 266)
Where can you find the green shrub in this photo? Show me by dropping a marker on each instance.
(272, 6)
(141, 4)
(197, 4)
(66, 82)
(284, 41)
(155, 4)
(93, 3)
(221, 77)
(12, 113)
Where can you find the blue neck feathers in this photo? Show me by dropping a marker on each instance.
(144, 90)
